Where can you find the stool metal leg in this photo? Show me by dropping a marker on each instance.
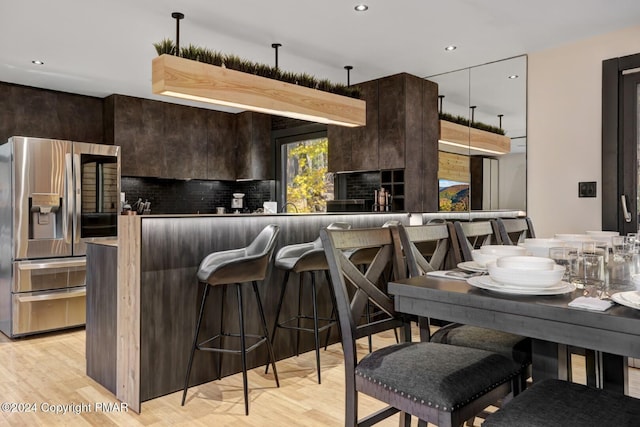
(243, 349)
(195, 342)
(224, 296)
(300, 291)
(315, 322)
(265, 331)
(333, 309)
(275, 324)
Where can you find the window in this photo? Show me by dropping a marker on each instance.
(306, 183)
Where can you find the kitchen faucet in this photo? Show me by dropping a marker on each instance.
(284, 208)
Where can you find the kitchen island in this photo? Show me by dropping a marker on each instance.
(157, 297)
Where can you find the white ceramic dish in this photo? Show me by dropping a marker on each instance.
(628, 299)
(502, 250)
(520, 277)
(544, 243)
(482, 259)
(485, 282)
(472, 266)
(525, 262)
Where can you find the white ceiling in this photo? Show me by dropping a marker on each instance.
(101, 47)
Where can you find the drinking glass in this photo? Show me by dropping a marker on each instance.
(562, 255)
(589, 274)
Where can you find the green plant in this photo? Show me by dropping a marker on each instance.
(234, 62)
(465, 122)
(166, 46)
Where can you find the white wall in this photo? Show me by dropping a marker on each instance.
(564, 130)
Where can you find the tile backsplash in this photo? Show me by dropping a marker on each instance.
(172, 196)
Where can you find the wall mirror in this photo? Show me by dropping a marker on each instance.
(480, 169)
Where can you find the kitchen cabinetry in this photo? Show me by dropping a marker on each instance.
(356, 149)
(254, 150)
(402, 132)
(393, 182)
(165, 140)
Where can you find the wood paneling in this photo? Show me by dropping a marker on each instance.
(29, 111)
(101, 326)
(478, 138)
(174, 76)
(454, 167)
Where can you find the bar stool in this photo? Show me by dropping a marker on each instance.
(306, 258)
(236, 266)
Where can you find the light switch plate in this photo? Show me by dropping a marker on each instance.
(587, 189)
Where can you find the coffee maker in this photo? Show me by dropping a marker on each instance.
(237, 202)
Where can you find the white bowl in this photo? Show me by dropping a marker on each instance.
(545, 243)
(525, 262)
(482, 259)
(238, 195)
(540, 247)
(502, 250)
(526, 278)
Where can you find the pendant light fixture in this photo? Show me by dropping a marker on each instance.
(196, 81)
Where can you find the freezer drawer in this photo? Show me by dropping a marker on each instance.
(48, 274)
(42, 311)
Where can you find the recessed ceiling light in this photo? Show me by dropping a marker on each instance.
(37, 62)
(513, 76)
(450, 48)
(361, 8)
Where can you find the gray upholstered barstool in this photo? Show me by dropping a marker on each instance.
(305, 258)
(236, 266)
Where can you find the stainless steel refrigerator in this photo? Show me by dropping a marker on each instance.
(55, 196)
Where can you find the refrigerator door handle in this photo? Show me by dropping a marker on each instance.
(77, 176)
(67, 218)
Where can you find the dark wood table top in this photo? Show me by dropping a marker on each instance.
(615, 331)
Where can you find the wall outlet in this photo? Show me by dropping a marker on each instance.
(587, 189)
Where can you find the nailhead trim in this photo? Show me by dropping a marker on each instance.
(444, 408)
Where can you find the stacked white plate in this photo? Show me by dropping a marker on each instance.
(523, 275)
(629, 299)
(490, 253)
(540, 247)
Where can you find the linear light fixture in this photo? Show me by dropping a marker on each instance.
(461, 136)
(197, 81)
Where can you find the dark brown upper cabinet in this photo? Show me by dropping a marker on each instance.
(402, 132)
(34, 112)
(254, 148)
(356, 149)
(164, 140)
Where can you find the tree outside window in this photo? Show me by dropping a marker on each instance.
(309, 186)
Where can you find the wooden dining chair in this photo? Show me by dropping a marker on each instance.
(516, 347)
(514, 230)
(473, 235)
(437, 383)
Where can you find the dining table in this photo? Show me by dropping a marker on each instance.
(551, 324)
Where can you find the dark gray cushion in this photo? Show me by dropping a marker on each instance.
(552, 403)
(443, 376)
(513, 346)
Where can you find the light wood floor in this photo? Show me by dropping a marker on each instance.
(49, 370)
